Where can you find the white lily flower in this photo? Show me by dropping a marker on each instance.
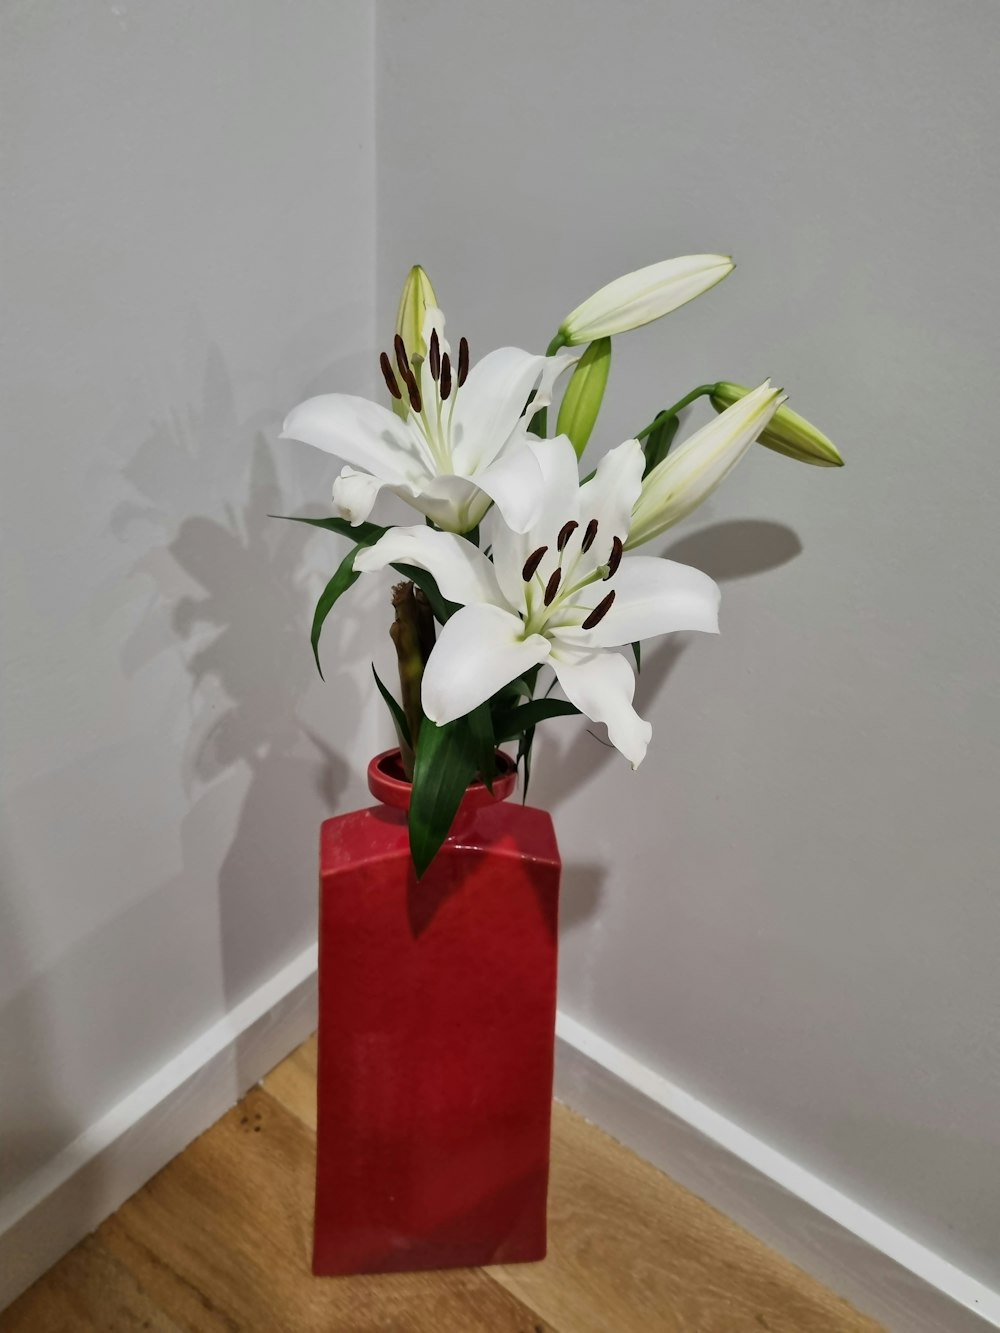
(561, 593)
(462, 446)
(639, 298)
(692, 471)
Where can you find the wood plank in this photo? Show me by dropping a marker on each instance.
(630, 1250)
(88, 1289)
(293, 1082)
(220, 1240)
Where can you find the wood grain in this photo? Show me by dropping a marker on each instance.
(219, 1242)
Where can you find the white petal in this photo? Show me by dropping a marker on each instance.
(355, 493)
(514, 482)
(480, 649)
(361, 432)
(453, 503)
(558, 502)
(637, 298)
(462, 572)
(691, 472)
(489, 405)
(652, 596)
(601, 684)
(609, 496)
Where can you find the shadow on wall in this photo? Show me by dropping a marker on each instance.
(247, 656)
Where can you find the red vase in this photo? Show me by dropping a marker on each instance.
(436, 1034)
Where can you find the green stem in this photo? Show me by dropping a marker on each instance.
(701, 391)
(409, 635)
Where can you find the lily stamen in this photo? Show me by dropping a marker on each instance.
(565, 532)
(463, 360)
(590, 536)
(434, 355)
(445, 376)
(552, 587)
(389, 377)
(532, 563)
(599, 611)
(615, 558)
(401, 359)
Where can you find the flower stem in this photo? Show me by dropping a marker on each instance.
(681, 403)
(412, 632)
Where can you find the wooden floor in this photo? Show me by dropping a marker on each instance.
(219, 1241)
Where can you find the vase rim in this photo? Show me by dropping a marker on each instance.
(387, 784)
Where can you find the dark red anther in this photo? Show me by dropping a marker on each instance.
(445, 376)
(615, 558)
(414, 393)
(463, 361)
(434, 354)
(532, 563)
(590, 536)
(552, 587)
(389, 377)
(401, 361)
(599, 611)
(565, 532)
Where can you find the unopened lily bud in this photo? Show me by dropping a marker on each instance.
(415, 299)
(584, 394)
(691, 472)
(787, 433)
(639, 298)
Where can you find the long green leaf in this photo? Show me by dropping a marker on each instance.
(484, 743)
(524, 745)
(637, 654)
(513, 721)
(398, 716)
(660, 439)
(345, 577)
(446, 763)
(365, 534)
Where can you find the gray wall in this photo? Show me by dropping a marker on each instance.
(188, 240)
(792, 908)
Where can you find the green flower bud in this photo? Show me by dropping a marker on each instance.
(584, 394)
(417, 295)
(786, 433)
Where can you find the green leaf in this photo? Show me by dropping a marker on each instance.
(365, 534)
(481, 728)
(637, 653)
(514, 721)
(398, 716)
(441, 608)
(661, 437)
(446, 763)
(345, 577)
(524, 756)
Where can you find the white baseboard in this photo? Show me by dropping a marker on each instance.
(74, 1192)
(858, 1255)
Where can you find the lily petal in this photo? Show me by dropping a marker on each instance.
(361, 432)
(453, 503)
(652, 596)
(602, 685)
(610, 495)
(691, 472)
(514, 482)
(480, 649)
(355, 493)
(461, 571)
(489, 406)
(557, 498)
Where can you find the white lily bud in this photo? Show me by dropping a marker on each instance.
(639, 298)
(690, 473)
(415, 299)
(788, 433)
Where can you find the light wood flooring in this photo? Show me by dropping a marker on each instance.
(219, 1242)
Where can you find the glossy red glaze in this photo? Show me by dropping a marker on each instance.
(436, 1035)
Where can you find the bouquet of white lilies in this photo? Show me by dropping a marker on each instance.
(517, 565)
